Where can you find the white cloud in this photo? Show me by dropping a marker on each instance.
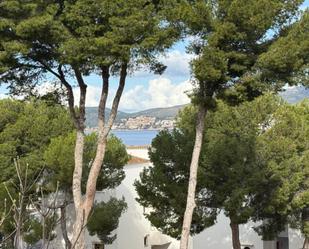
(92, 98)
(177, 63)
(160, 92)
(3, 96)
(41, 89)
(45, 88)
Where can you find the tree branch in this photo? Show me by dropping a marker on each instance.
(103, 99)
(63, 223)
(82, 99)
(45, 66)
(60, 75)
(101, 146)
(113, 114)
(70, 97)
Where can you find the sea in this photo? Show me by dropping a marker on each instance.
(136, 137)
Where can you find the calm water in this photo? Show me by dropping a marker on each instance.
(141, 137)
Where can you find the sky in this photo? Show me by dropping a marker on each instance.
(145, 90)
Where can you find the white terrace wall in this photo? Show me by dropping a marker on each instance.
(133, 226)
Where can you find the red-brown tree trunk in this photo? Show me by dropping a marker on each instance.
(235, 235)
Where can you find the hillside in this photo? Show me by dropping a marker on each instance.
(291, 95)
(92, 116)
(159, 113)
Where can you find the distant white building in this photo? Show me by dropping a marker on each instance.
(140, 122)
(135, 231)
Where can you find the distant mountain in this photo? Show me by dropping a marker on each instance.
(291, 95)
(92, 116)
(159, 113)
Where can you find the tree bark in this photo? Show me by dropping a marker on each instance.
(78, 234)
(84, 206)
(193, 177)
(78, 240)
(235, 235)
(102, 139)
(305, 220)
(306, 243)
(70, 95)
(63, 224)
(18, 242)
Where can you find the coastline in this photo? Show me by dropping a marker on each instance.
(141, 153)
(154, 129)
(136, 130)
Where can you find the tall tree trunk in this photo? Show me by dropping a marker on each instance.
(193, 177)
(306, 243)
(44, 240)
(63, 224)
(83, 206)
(305, 221)
(104, 130)
(18, 242)
(19, 215)
(235, 235)
(78, 240)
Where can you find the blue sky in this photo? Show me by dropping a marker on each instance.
(145, 90)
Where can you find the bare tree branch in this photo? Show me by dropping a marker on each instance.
(122, 80)
(82, 100)
(101, 146)
(70, 95)
(103, 99)
(46, 67)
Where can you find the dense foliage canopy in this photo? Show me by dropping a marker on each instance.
(41, 137)
(253, 166)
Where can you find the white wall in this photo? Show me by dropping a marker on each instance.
(219, 236)
(133, 226)
(296, 239)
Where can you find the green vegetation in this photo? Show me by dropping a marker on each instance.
(41, 136)
(249, 151)
(283, 149)
(66, 41)
(59, 158)
(26, 131)
(236, 150)
(243, 49)
(105, 219)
